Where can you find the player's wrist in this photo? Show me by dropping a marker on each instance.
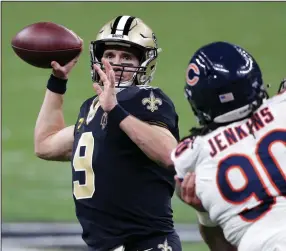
(57, 85)
(117, 114)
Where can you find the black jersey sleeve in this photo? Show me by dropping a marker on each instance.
(152, 105)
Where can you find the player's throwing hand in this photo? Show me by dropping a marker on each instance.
(62, 72)
(107, 95)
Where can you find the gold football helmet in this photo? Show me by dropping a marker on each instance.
(130, 32)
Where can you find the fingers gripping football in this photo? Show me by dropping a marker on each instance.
(63, 71)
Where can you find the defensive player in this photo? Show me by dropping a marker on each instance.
(238, 154)
(120, 145)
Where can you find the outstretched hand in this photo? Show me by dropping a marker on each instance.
(107, 95)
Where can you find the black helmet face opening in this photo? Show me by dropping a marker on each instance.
(97, 50)
(132, 33)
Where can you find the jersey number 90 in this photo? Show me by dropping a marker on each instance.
(274, 169)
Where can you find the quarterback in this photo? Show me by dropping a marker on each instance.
(120, 145)
(238, 154)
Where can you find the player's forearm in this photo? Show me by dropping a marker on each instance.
(50, 121)
(156, 144)
(214, 238)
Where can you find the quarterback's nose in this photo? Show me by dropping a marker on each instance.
(116, 64)
(116, 60)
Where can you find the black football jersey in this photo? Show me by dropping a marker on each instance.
(120, 194)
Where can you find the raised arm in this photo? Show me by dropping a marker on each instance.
(52, 139)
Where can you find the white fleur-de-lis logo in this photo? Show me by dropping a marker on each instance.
(165, 246)
(103, 121)
(152, 102)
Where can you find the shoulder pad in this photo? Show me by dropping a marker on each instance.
(185, 155)
(152, 105)
(148, 97)
(154, 93)
(278, 98)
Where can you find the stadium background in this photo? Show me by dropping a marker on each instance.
(36, 190)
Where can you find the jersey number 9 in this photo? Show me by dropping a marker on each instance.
(83, 162)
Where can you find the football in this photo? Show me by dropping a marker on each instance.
(41, 43)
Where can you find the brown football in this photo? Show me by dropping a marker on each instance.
(41, 43)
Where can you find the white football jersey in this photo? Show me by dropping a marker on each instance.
(241, 176)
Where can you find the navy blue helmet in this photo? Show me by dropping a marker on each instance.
(223, 83)
(282, 87)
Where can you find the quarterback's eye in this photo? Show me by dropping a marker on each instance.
(108, 55)
(127, 57)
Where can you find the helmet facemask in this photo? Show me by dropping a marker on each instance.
(140, 40)
(143, 74)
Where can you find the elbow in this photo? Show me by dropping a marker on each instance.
(39, 146)
(166, 155)
(37, 149)
(163, 161)
(40, 151)
(167, 161)
(42, 147)
(41, 155)
(46, 152)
